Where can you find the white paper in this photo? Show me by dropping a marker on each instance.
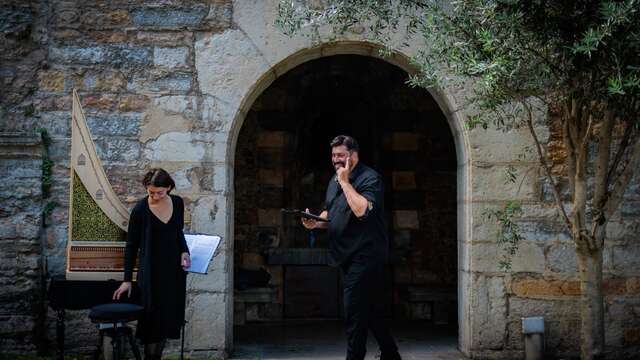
(201, 247)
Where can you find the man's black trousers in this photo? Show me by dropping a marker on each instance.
(364, 307)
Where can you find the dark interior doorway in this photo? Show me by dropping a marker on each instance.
(283, 160)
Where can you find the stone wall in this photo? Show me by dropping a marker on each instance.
(134, 68)
(21, 299)
(21, 198)
(544, 280)
(169, 83)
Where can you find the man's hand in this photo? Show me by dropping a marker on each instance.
(344, 172)
(309, 223)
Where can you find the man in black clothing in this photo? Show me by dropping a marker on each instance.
(354, 204)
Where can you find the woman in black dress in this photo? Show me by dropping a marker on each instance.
(155, 229)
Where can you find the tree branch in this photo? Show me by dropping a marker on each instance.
(583, 150)
(571, 149)
(545, 164)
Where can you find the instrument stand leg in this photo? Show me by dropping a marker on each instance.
(60, 333)
(182, 342)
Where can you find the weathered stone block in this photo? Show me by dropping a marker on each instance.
(227, 64)
(178, 104)
(208, 315)
(78, 55)
(170, 58)
(171, 84)
(167, 17)
(219, 16)
(111, 81)
(626, 259)
(213, 281)
(133, 103)
(490, 182)
(51, 81)
(489, 320)
(545, 289)
(118, 124)
(128, 56)
(614, 286)
(543, 231)
(115, 55)
(493, 145)
(174, 146)
(562, 258)
(118, 150)
(633, 286)
(528, 258)
(103, 102)
(164, 38)
(217, 115)
(566, 309)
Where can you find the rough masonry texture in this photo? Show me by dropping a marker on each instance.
(170, 84)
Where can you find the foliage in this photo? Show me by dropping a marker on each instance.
(47, 164)
(47, 176)
(509, 234)
(524, 58)
(514, 50)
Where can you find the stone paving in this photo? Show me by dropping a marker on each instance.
(325, 340)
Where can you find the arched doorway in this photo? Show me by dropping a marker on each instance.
(281, 160)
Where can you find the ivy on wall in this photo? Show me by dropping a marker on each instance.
(46, 177)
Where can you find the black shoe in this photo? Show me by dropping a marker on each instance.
(392, 356)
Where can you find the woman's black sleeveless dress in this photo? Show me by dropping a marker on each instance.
(166, 316)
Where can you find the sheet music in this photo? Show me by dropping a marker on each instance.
(201, 247)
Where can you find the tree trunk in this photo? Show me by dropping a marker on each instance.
(592, 307)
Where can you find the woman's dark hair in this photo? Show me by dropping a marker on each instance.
(348, 141)
(158, 177)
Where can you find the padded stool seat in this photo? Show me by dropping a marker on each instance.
(115, 312)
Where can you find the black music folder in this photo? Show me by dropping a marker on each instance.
(303, 214)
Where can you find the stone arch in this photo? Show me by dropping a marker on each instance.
(455, 122)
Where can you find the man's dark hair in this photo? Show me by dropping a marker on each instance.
(350, 143)
(158, 177)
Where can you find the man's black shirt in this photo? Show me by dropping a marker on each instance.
(348, 234)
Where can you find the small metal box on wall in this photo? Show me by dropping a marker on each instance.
(98, 220)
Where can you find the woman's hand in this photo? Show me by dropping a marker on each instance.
(186, 260)
(124, 288)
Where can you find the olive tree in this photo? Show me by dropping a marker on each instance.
(579, 60)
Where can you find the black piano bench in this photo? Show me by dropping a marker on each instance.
(112, 321)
